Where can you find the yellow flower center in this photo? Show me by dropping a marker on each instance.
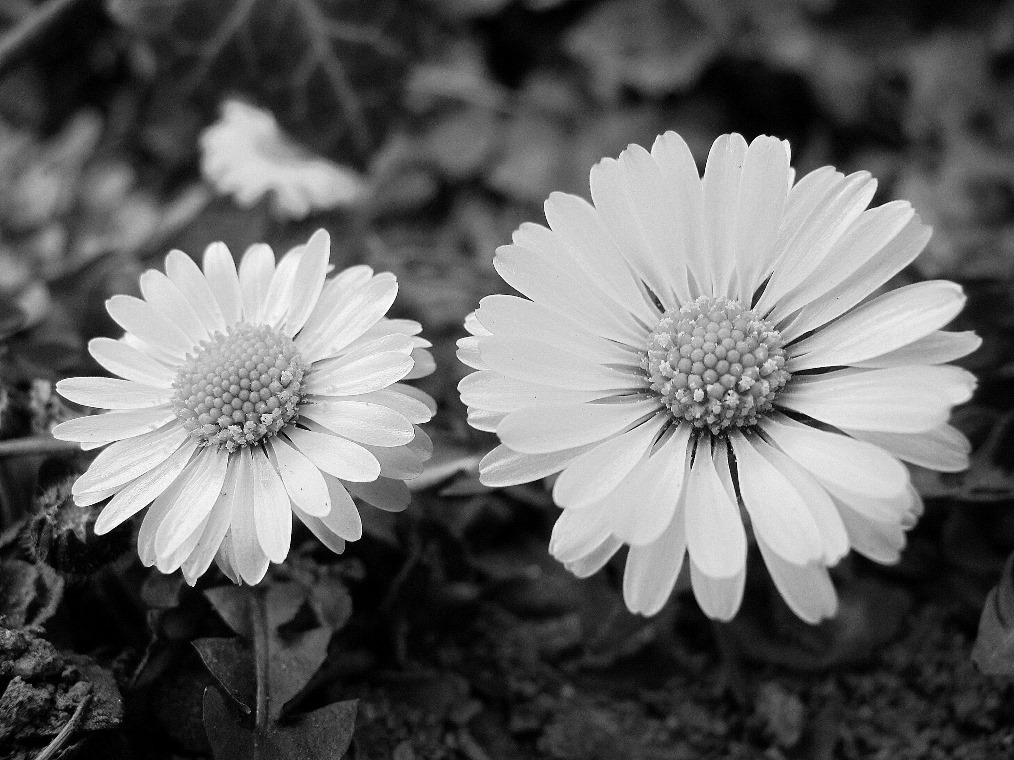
(715, 364)
(239, 386)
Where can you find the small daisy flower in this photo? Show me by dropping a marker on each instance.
(698, 353)
(244, 397)
(245, 154)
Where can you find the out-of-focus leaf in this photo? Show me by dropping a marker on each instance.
(655, 47)
(324, 734)
(329, 69)
(994, 647)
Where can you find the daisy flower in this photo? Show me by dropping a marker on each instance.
(244, 397)
(698, 353)
(245, 154)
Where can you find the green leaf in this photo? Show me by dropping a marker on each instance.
(323, 734)
(993, 652)
(232, 666)
(263, 671)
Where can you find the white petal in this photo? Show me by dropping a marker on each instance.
(803, 252)
(142, 320)
(188, 277)
(163, 294)
(365, 423)
(114, 426)
(577, 533)
(611, 183)
(215, 529)
(121, 462)
(936, 348)
(885, 324)
(255, 271)
(303, 481)
(279, 297)
(308, 281)
(112, 393)
(335, 456)
(411, 403)
(503, 467)
(423, 364)
(248, 558)
(156, 516)
(535, 362)
(220, 271)
(580, 230)
(272, 515)
(900, 399)
(493, 392)
(807, 589)
(819, 502)
(546, 429)
(596, 560)
(721, 208)
(685, 198)
(595, 474)
(878, 540)
(546, 283)
(776, 508)
(873, 230)
(202, 484)
(401, 462)
(129, 363)
(468, 353)
(324, 534)
(487, 422)
(944, 448)
(854, 465)
(890, 260)
(651, 570)
(343, 519)
(763, 192)
(719, 598)
(716, 538)
(363, 375)
(388, 494)
(142, 491)
(521, 319)
(642, 505)
(347, 313)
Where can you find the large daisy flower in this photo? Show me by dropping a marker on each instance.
(245, 397)
(245, 154)
(698, 353)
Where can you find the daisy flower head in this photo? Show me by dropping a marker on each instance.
(246, 154)
(696, 353)
(246, 397)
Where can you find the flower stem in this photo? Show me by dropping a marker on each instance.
(259, 620)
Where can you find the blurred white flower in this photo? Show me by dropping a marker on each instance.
(700, 352)
(245, 154)
(246, 397)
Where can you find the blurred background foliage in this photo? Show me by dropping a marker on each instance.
(466, 640)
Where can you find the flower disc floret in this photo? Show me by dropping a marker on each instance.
(715, 364)
(239, 386)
